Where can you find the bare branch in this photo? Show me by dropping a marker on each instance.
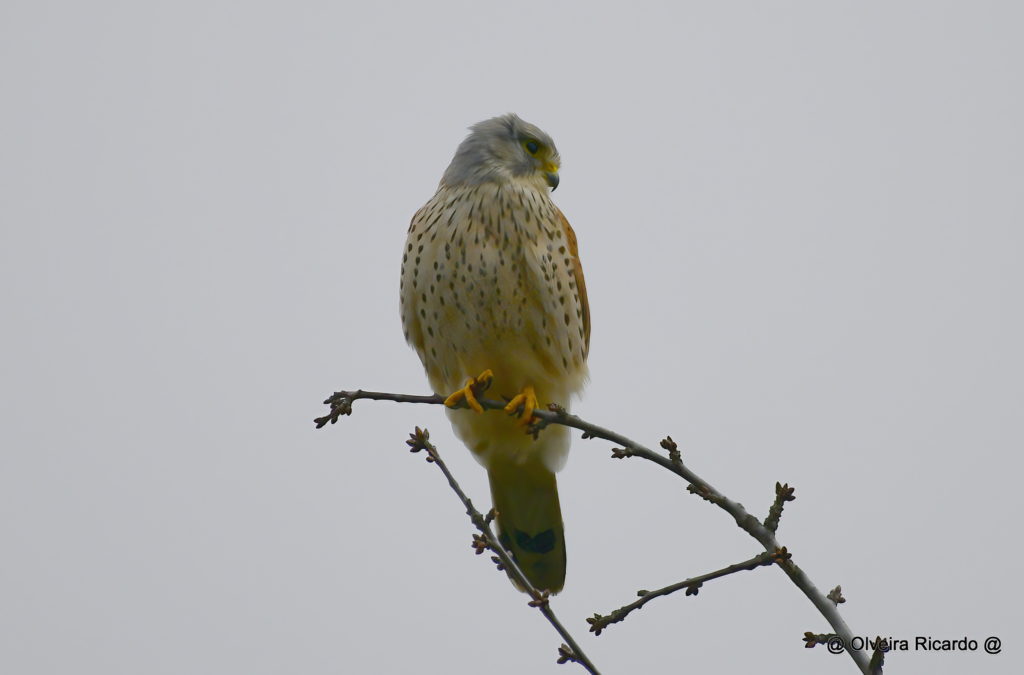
(420, 440)
(341, 404)
(783, 494)
(599, 622)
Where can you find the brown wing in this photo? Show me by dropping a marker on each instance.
(581, 285)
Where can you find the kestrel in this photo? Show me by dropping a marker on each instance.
(492, 291)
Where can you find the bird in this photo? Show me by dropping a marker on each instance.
(493, 296)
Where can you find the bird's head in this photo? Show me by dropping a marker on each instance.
(503, 149)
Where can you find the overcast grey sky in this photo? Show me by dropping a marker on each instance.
(801, 224)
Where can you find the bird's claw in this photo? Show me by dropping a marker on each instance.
(474, 387)
(522, 405)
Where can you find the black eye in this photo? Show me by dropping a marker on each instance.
(532, 147)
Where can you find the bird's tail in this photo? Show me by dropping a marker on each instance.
(530, 521)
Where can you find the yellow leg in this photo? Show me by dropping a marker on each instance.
(474, 387)
(522, 405)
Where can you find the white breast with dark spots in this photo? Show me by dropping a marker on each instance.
(487, 282)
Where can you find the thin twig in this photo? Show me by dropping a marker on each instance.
(599, 622)
(341, 404)
(570, 651)
(783, 494)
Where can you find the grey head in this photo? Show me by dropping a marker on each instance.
(503, 149)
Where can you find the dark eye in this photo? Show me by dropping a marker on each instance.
(532, 147)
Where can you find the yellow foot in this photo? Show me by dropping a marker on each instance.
(474, 387)
(522, 405)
